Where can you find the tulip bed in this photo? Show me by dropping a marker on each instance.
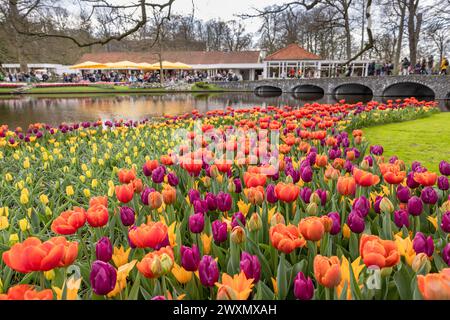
(120, 209)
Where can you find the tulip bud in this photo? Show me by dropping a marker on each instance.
(251, 266)
(166, 263)
(415, 206)
(208, 271)
(355, 222)
(429, 195)
(238, 235)
(255, 223)
(421, 262)
(213, 171)
(312, 209)
(190, 257)
(277, 218)
(127, 216)
(104, 249)
(446, 254)
(386, 272)
(303, 287)
(365, 165)
(386, 206)
(445, 222)
(156, 267)
(315, 198)
(207, 181)
(443, 183)
(423, 244)
(196, 223)
(155, 200)
(219, 231)
(231, 186)
(103, 277)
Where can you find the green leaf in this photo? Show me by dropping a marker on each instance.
(263, 292)
(403, 283)
(282, 279)
(354, 287)
(135, 288)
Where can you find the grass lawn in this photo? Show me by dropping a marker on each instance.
(86, 89)
(426, 140)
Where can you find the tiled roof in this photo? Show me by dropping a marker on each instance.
(292, 52)
(189, 57)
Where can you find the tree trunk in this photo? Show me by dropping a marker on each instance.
(348, 35)
(401, 28)
(414, 26)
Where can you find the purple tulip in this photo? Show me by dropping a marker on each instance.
(224, 201)
(251, 266)
(208, 271)
(307, 174)
(362, 205)
(322, 195)
(127, 216)
(158, 175)
(295, 174)
(415, 206)
(303, 287)
(336, 226)
(144, 195)
(376, 150)
(190, 257)
(270, 194)
(423, 244)
(348, 166)
(193, 194)
(163, 243)
(445, 222)
(442, 183)
(429, 195)
(393, 159)
(147, 172)
(355, 222)
(369, 160)
(103, 249)
(219, 231)
(446, 254)
(172, 179)
(103, 277)
(410, 182)
(211, 201)
(305, 194)
(444, 168)
(401, 218)
(237, 216)
(200, 206)
(238, 185)
(403, 193)
(196, 223)
(415, 166)
(376, 205)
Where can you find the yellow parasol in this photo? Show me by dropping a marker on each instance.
(88, 65)
(165, 65)
(147, 66)
(182, 66)
(122, 65)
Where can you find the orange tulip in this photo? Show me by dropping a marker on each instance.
(254, 179)
(124, 193)
(338, 163)
(69, 221)
(350, 155)
(435, 286)
(148, 235)
(223, 166)
(321, 160)
(364, 178)
(286, 238)
(137, 185)
(126, 176)
(346, 185)
(392, 173)
(169, 195)
(33, 255)
(255, 195)
(287, 192)
(327, 271)
(98, 200)
(165, 160)
(26, 292)
(425, 178)
(377, 252)
(150, 165)
(156, 263)
(312, 228)
(155, 200)
(97, 215)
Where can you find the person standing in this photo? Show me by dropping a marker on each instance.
(405, 66)
(430, 65)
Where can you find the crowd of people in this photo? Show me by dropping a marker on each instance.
(425, 66)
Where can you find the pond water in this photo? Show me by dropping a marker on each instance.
(24, 110)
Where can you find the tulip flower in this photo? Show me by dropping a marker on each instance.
(97, 216)
(144, 195)
(410, 182)
(443, 183)
(401, 218)
(219, 231)
(376, 150)
(346, 186)
(251, 266)
(237, 287)
(327, 271)
(126, 176)
(124, 193)
(169, 195)
(26, 292)
(190, 257)
(69, 221)
(415, 206)
(434, 286)
(104, 249)
(303, 287)
(425, 178)
(403, 193)
(196, 223)
(149, 166)
(336, 223)
(149, 235)
(311, 228)
(305, 194)
(127, 216)
(445, 222)
(446, 254)
(270, 194)
(355, 222)
(287, 192)
(238, 216)
(444, 168)
(172, 179)
(377, 252)
(237, 185)
(423, 244)
(157, 263)
(429, 195)
(421, 262)
(362, 205)
(286, 238)
(158, 175)
(224, 201)
(211, 201)
(155, 200)
(237, 235)
(103, 277)
(208, 271)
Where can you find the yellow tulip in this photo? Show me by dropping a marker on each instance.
(44, 199)
(72, 287)
(120, 256)
(23, 224)
(4, 223)
(69, 191)
(13, 238)
(49, 275)
(87, 193)
(182, 275)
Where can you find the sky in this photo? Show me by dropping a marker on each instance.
(224, 9)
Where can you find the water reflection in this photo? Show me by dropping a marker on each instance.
(23, 110)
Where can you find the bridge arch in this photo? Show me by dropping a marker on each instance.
(408, 89)
(268, 91)
(352, 89)
(308, 88)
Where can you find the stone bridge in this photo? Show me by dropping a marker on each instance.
(382, 86)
